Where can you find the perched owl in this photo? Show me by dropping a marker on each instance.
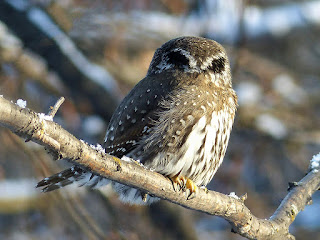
(176, 121)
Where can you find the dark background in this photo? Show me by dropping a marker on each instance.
(274, 51)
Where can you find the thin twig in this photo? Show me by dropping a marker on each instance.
(55, 108)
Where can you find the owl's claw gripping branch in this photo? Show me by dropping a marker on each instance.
(191, 189)
(178, 182)
(185, 184)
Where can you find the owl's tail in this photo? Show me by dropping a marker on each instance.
(133, 196)
(69, 176)
(84, 178)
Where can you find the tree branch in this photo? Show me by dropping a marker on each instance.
(41, 129)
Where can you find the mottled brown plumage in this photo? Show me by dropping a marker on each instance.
(176, 121)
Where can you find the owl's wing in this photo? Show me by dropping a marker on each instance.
(137, 114)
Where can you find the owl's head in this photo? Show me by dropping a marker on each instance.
(192, 55)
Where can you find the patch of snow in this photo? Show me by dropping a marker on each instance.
(315, 161)
(98, 147)
(126, 159)
(43, 116)
(271, 125)
(233, 195)
(21, 103)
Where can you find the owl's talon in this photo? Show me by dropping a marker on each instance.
(187, 193)
(191, 195)
(178, 183)
(191, 189)
(175, 186)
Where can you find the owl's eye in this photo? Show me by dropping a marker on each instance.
(217, 65)
(177, 59)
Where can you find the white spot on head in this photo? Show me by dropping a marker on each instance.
(155, 96)
(207, 63)
(120, 122)
(135, 109)
(148, 102)
(128, 117)
(148, 90)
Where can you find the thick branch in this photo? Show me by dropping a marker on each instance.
(33, 126)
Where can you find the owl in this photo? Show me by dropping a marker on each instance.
(175, 121)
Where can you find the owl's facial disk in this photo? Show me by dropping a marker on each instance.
(185, 61)
(191, 55)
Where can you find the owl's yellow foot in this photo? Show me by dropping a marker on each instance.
(178, 182)
(185, 184)
(191, 189)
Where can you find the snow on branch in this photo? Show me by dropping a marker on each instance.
(61, 144)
